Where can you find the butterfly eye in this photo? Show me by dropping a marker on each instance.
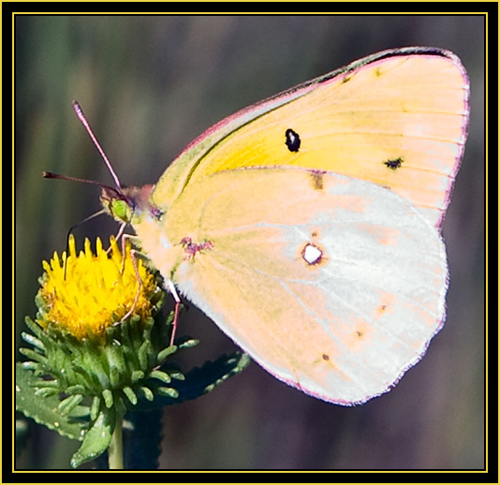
(120, 210)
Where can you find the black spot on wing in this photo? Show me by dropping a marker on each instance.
(394, 163)
(292, 140)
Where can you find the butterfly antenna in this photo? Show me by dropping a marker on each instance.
(85, 123)
(57, 176)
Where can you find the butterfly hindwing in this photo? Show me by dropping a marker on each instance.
(334, 285)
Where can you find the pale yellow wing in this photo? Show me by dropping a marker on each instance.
(334, 285)
(397, 118)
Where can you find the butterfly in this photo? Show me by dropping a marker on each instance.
(307, 226)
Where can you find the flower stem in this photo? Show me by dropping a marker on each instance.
(115, 451)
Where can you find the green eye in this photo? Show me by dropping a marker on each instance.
(121, 210)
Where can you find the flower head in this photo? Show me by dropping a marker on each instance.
(99, 330)
(94, 291)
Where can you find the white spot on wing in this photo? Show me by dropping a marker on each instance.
(311, 254)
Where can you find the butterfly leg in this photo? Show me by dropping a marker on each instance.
(175, 295)
(133, 252)
(117, 237)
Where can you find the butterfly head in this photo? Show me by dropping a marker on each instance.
(128, 203)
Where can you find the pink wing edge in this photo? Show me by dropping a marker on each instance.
(342, 402)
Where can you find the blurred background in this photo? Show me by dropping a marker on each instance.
(150, 85)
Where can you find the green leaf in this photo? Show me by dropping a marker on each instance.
(204, 379)
(44, 409)
(97, 438)
(197, 382)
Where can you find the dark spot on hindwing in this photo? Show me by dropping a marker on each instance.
(292, 140)
(317, 177)
(394, 164)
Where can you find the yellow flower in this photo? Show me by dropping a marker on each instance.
(96, 292)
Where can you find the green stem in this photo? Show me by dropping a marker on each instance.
(115, 451)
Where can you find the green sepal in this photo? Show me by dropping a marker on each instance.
(52, 384)
(161, 376)
(175, 374)
(46, 392)
(27, 337)
(189, 343)
(108, 398)
(70, 403)
(33, 366)
(137, 375)
(94, 409)
(168, 391)
(77, 389)
(33, 355)
(131, 395)
(148, 394)
(162, 355)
